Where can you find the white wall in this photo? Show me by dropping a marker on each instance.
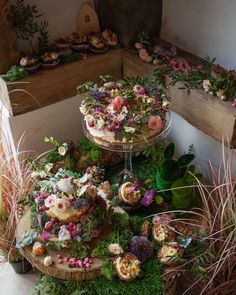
(60, 14)
(203, 27)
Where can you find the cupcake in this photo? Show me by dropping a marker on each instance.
(169, 253)
(127, 267)
(129, 193)
(30, 64)
(162, 233)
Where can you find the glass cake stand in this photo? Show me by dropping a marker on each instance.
(130, 147)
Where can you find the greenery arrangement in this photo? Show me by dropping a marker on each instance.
(15, 73)
(15, 183)
(24, 19)
(175, 178)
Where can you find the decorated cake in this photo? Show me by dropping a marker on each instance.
(70, 207)
(124, 112)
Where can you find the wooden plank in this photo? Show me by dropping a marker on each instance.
(205, 112)
(50, 86)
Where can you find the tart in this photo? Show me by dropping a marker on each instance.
(162, 233)
(62, 43)
(110, 38)
(169, 253)
(79, 42)
(30, 64)
(129, 193)
(127, 267)
(97, 45)
(50, 60)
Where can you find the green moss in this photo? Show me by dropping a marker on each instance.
(150, 283)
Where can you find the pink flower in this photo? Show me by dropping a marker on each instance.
(155, 123)
(62, 204)
(45, 236)
(206, 85)
(143, 54)
(138, 45)
(139, 89)
(50, 201)
(161, 219)
(118, 103)
(72, 228)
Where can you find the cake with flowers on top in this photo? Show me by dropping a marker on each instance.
(125, 112)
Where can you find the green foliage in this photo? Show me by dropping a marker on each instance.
(120, 234)
(79, 250)
(24, 19)
(107, 270)
(150, 283)
(90, 151)
(136, 223)
(88, 86)
(70, 58)
(15, 73)
(52, 141)
(154, 153)
(176, 177)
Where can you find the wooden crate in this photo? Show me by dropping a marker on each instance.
(50, 86)
(207, 113)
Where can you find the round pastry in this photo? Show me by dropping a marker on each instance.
(110, 38)
(30, 64)
(169, 253)
(120, 113)
(129, 193)
(50, 60)
(97, 45)
(127, 267)
(79, 42)
(62, 43)
(162, 233)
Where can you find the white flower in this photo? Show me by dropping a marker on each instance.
(48, 167)
(124, 110)
(150, 100)
(64, 234)
(115, 249)
(47, 261)
(83, 109)
(54, 55)
(50, 201)
(66, 186)
(23, 62)
(129, 129)
(100, 123)
(63, 149)
(83, 190)
(206, 85)
(85, 178)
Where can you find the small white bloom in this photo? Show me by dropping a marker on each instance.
(83, 109)
(64, 234)
(63, 149)
(83, 190)
(100, 123)
(66, 186)
(48, 261)
(23, 61)
(150, 100)
(115, 249)
(129, 129)
(54, 55)
(48, 167)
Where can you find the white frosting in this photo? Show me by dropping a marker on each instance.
(101, 133)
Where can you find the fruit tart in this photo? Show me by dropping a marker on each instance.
(96, 44)
(110, 38)
(169, 253)
(50, 60)
(79, 42)
(30, 64)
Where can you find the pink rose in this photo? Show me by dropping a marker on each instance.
(143, 54)
(139, 89)
(118, 103)
(155, 123)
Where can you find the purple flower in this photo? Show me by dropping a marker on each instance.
(98, 110)
(148, 198)
(134, 187)
(95, 93)
(45, 236)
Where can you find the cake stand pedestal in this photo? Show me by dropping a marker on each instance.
(130, 147)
